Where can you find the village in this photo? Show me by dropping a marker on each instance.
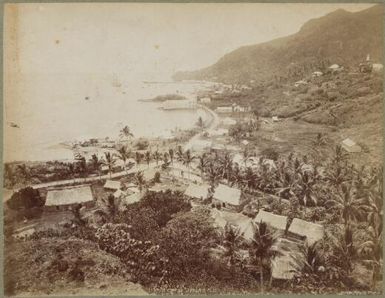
(238, 167)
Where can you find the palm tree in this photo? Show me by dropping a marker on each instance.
(157, 156)
(83, 167)
(250, 178)
(231, 243)
(202, 163)
(236, 176)
(109, 161)
(262, 247)
(179, 153)
(200, 123)
(97, 164)
(147, 157)
(187, 159)
(123, 155)
(25, 172)
(138, 158)
(126, 132)
(111, 205)
(140, 181)
(213, 175)
(346, 202)
(71, 170)
(226, 164)
(372, 251)
(171, 153)
(305, 189)
(339, 155)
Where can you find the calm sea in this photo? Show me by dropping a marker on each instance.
(53, 109)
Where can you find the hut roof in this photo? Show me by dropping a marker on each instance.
(227, 194)
(350, 146)
(111, 184)
(69, 195)
(275, 221)
(244, 224)
(313, 232)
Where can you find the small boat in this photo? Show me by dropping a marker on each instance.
(13, 124)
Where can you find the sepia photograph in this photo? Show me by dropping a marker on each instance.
(192, 149)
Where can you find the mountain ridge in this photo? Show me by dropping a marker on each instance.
(340, 37)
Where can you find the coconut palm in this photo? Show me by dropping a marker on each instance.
(188, 159)
(339, 155)
(71, 170)
(123, 155)
(157, 156)
(212, 174)
(202, 163)
(347, 203)
(372, 252)
(97, 164)
(226, 165)
(236, 175)
(305, 189)
(138, 158)
(171, 154)
(231, 243)
(262, 247)
(126, 132)
(250, 178)
(140, 181)
(83, 167)
(179, 153)
(25, 172)
(109, 162)
(147, 157)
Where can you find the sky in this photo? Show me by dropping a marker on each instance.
(148, 40)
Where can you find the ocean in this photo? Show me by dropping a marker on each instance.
(53, 109)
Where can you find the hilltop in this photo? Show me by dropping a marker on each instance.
(339, 37)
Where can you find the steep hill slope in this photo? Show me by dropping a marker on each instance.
(339, 37)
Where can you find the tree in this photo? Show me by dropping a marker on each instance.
(187, 159)
(171, 153)
(123, 155)
(25, 198)
(346, 202)
(25, 172)
(111, 206)
(71, 170)
(262, 247)
(147, 157)
(138, 158)
(97, 164)
(372, 252)
(231, 243)
(83, 167)
(200, 123)
(179, 153)
(126, 132)
(186, 241)
(157, 156)
(77, 216)
(109, 161)
(140, 181)
(202, 163)
(226, 165)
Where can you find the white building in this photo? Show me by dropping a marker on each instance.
(224, 109)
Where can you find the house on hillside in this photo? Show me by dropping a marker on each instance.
(227, 195)
(377, 67)
(350, 146)
(224, 109)
(300, 83)
(308, 231)
(205, 99)
(317, 74)
(112, 185)
(242, 224)
(197, 191)
(66, 198)
(275, 221)
(335, 68)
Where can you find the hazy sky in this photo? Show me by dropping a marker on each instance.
(149, 40)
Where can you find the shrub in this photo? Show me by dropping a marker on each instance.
(142, 144)
(25, 198)
(157, 177)
(270, 153)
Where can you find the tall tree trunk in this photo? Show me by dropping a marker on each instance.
(261, 274)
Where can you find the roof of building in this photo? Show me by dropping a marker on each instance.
(227, 194)
(132, 198)
(275, 221)
(313, 232)
(350, 146)
(197, 191)
(111, 184)
(244, 224)
(69, 195)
